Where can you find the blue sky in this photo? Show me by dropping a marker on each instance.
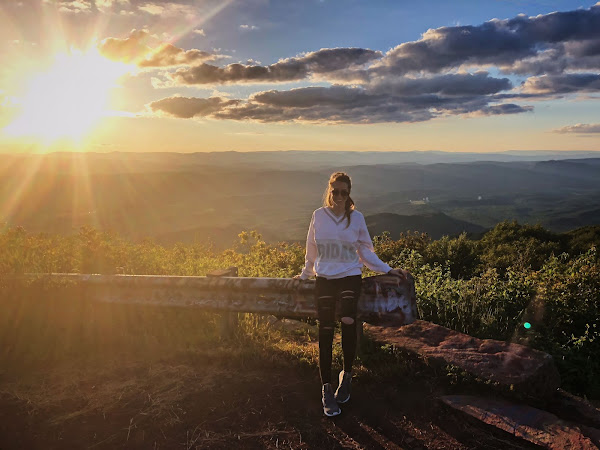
(208, 75)
(288, 27)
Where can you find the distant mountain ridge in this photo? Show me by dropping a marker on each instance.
(176, 197)
(280, 160)
(435, 225)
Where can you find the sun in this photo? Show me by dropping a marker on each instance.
(68, 99)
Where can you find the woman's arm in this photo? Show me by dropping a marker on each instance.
(311, 252)
(365, 249)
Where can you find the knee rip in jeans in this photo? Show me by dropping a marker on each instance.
(325, 298)
(348, 310)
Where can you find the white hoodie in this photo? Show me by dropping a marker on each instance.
(334, 251)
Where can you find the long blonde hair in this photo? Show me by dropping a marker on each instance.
(328, 197)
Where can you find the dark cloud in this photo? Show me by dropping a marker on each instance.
(549, 61)
(236, 73)
(582, 49)
(341, 104)
(496, 42)
(325, 114)
(134, 49)
(580, 128)
(323, 61)
(574, 55)
(337, 96)
(555, 27)
(333, 59)
(479, 83)
(348, 106)
(563, 84)
(506, 108)
(449, 47)
(417, 80)
(186, 108)
(554, 44)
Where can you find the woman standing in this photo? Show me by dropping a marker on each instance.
(337, 246)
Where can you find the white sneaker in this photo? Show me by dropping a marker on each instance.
(342, 394)
(330, 406)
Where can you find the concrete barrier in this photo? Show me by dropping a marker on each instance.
(383, 299)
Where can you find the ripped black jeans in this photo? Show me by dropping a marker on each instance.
(327, 292)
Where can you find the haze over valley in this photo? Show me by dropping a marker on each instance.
(172, 197)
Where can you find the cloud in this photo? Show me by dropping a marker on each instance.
(290, 69)
(71, 6)
(580, 128)
(169, 9)
(106, 5)
(574, 55)
(441, 74)
(130, 49)
(479, 83)
(337, 96)
(348, 104)
(134, 49)
(496, 42)
(199, 32)
(169, 55)
(186, 108)
(343, 104)
(553, 44)
(249, 27)
(563, 84)
(506, 108)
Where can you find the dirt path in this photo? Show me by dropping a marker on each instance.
(204, 402)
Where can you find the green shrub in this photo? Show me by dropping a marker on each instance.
(485, 288)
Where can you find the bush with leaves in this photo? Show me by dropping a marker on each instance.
(460, 254)
(485, 288)
(566, 318)
(524, 246)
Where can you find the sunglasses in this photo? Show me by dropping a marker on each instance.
(342, 192)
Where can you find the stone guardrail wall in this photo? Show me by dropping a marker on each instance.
(383, 298)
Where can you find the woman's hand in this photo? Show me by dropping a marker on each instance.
(399, 273)
(297, 281)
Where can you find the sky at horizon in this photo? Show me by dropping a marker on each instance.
(222, 75)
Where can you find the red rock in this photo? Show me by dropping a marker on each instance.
(529, 371)
(573, 408)
(534, 425)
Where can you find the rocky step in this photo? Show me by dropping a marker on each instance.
(573, 408)
(523, 369)
(531, 424)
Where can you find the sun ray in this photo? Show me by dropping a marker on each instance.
(83, 201)
(183, 30)
(26, 173)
